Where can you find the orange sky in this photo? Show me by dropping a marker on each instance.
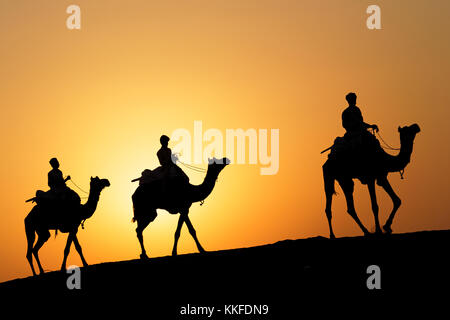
(99, 98)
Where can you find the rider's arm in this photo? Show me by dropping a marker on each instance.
(366, 125)
(370, 126)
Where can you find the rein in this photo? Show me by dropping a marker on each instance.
(71, 180)
(388, 147)
(193, 168)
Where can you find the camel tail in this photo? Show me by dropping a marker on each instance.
(328, 179)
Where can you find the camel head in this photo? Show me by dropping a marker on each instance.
(408, 133)
(216, 165)
(97, 184)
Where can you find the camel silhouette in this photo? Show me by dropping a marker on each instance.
(149, 197)
(43, 218)
(375, 171)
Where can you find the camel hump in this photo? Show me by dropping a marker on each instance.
(353, 146)
(168, 173)
(66, 197)
(149, 176)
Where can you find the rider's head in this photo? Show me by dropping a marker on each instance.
(164, 140)
(54, 163)
(351, 98)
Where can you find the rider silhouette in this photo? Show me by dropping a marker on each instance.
(357, 141)
(56, 182)
(169, 170)
(164, 153)
(352, 119)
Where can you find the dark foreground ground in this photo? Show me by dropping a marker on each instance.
(289, 277)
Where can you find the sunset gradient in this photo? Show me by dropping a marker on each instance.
(99, 98)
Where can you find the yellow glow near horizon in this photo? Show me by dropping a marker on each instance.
(99, 98)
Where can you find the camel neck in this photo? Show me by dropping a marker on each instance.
(400, 161)
(201, 191)
(91, 204)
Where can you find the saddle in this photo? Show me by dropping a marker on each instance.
(361, 153)
(355, 146)
(167, 175)
(61, 200)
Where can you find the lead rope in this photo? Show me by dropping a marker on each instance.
(196, 169)
(189, 166)
(84, 220)
(193, 168)
(387, 146)
(71, 180)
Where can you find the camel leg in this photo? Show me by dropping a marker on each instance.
(181, 220)
(31, 236)
(142, 223)
(193, 233)
(329, 192)
(66, 251)
(79, 250)
(384, 183)
(348, 186)
(43, 236)
(375, 209)
(328, 213)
